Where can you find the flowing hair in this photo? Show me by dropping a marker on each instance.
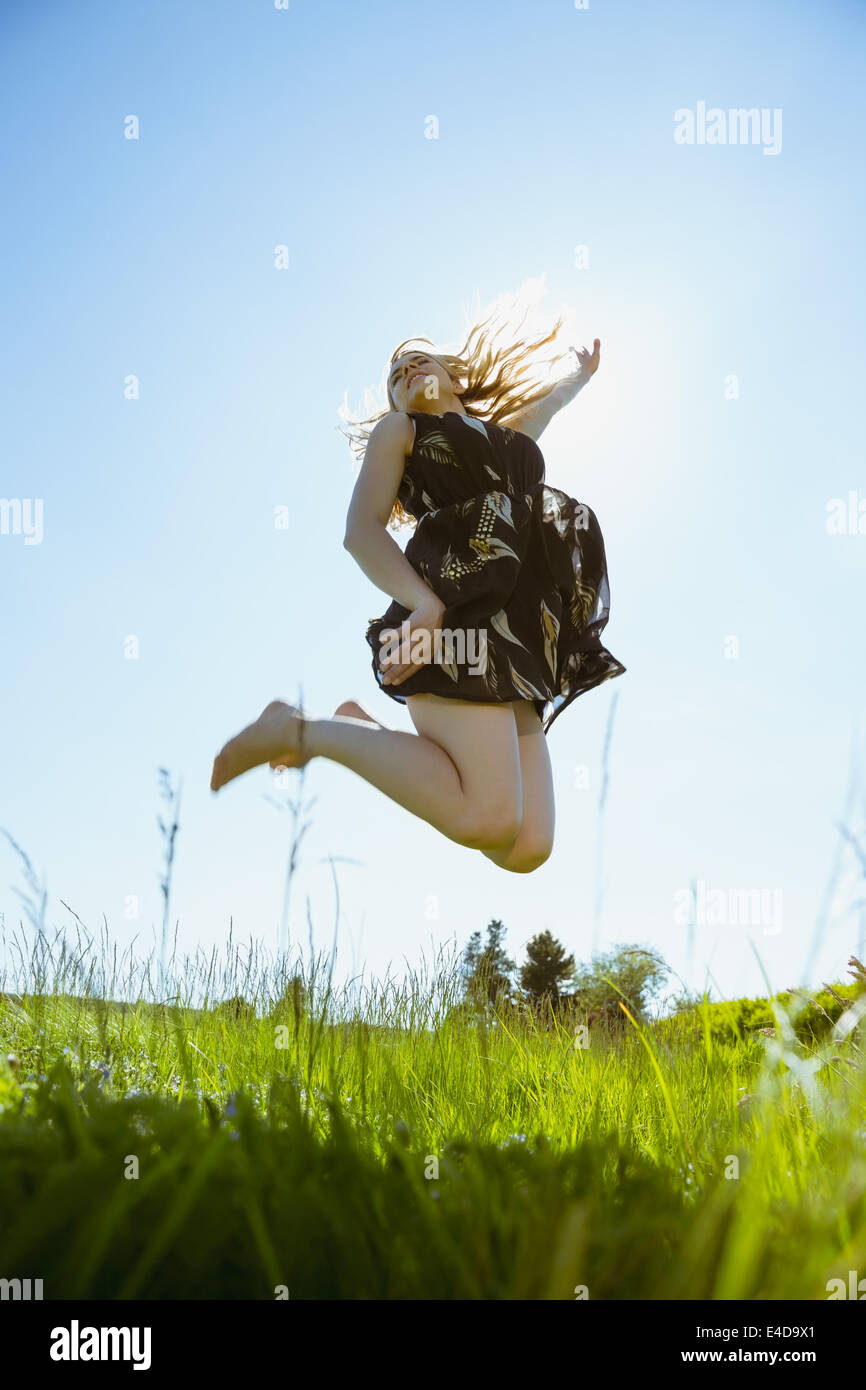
(501, 373)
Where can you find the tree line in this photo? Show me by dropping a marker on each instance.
(550, 980)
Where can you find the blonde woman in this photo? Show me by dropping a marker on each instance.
(498, 601)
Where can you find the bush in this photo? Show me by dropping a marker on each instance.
(813, 1016)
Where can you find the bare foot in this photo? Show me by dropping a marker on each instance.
(276, 737)
(350, 709)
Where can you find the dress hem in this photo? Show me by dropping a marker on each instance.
(610, 672)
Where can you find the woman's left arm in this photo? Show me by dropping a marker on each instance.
(535, 420)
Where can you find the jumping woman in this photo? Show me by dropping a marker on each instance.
(498, 601)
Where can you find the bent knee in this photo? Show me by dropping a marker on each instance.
(527, 858)
(494, 829)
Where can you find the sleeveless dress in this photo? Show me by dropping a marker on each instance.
(519, 565)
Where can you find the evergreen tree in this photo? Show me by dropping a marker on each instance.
(547, 968)
(487, 971)
(469, 960)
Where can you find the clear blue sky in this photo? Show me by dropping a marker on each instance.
(155, 258)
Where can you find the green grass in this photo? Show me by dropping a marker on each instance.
(303, 1157)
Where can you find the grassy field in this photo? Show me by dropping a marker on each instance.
(292, 1142)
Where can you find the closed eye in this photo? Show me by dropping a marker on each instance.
(420, 361)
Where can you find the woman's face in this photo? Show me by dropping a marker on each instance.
(416, 379)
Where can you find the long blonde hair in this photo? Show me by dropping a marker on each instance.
(502, 380)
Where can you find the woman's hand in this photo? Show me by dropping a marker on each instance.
(427, 617)
(588, 360)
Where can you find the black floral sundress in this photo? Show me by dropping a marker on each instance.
(519, 565)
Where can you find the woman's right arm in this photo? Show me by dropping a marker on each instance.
(367, 538)
(534, 421)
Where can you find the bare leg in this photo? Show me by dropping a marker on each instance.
(534, 844)
(460, 773)
(535, 841)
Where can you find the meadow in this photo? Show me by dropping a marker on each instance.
(234, 1127)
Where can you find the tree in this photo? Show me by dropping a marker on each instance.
(547, 968)
(632, 974)
(487, 970)
(469, 960)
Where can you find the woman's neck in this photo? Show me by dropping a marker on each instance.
(446, 407)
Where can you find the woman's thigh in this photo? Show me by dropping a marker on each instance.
(482, 741)
(534, 843)
(536, 773)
